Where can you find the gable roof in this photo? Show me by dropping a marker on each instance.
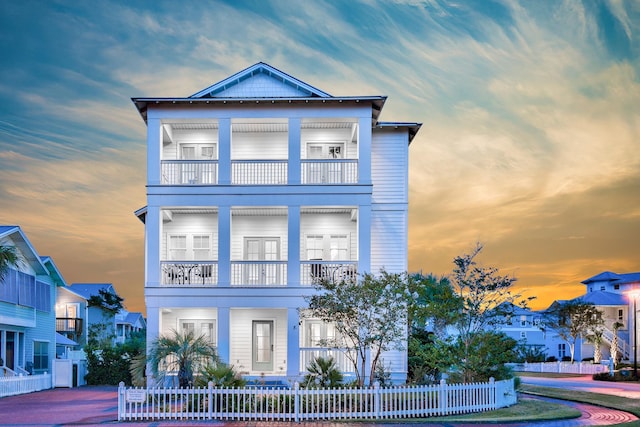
(24, 246)
(87, 290)
(608, 276)
(53, 270)
(260, 81)
(603, 298)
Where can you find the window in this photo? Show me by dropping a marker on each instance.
(40, 356)
(536, 321)
(620, 315)
(315, 247)
(317, 333)
(602, 288)
(200, 327)
(339, 249)
(562, 350)
(193, 247)
(523, 321)
(523, 334)
(616, 287)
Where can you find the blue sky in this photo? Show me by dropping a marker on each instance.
(531, 115)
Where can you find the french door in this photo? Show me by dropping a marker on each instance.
(325, 172)
(262, 249)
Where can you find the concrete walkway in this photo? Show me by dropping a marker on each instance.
(97, 405)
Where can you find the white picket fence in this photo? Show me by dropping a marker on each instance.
(296, 404)
(586, 368)
(21, 384)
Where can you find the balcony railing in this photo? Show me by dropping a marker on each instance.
(259, 273)
(259, 172)
(189, 273)
(72, 325)
(331, 171)
(315, 271)
(308, 354)
(189, 172)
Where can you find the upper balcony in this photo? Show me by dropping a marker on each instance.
(260, 153)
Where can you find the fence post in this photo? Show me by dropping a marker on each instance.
(296, 401)
(376, 400)
(210, 399)
(493, 393)
(442, 398)
(120, 400)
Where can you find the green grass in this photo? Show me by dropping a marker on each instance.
(547, 375)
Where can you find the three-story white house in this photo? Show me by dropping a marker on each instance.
(256, 187)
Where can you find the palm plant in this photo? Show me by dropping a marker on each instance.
(322, 373)
(183, 353)
(8, 258)
(221, 375)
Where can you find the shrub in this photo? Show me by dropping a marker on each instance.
(322, 373)
(221, 375)
(552, 359)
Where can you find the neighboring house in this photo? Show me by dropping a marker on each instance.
(27, 314)
(524, 326)
(610, 293)
(127, 323)
(72, 316)
(103, 322)
(257, 187)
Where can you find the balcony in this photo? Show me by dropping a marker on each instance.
(259, 273)
(314, 272)
(69, 325)
(329, 171)
(259, 172)
(189, 273)
(189, 172)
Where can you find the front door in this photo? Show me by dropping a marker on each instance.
(262, 351)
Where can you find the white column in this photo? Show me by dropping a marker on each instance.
(224, 245)
(152, 246)
(364, 150)
(224, 345)
(154, 144)
(294, 151)
(293, 263)
(364, 239)
(224, 151)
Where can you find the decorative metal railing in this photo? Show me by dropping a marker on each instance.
(189, 273)
(189, 172)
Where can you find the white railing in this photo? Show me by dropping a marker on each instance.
(296, 404)
(343, 363)
(586, 368)
(189, 172)
(313, 272)
(258, 273)
(21, 384)
(622, 344)
(259, 172)
(189, 273)
(329, 171)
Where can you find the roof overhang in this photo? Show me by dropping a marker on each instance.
(377, 102)
(412, 128)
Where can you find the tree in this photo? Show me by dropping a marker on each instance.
(486, 299)
(574, 319)
(614, 342)
(369, 315)
(322, 373)
(433, 304)
(183, 353)
(106, 300)
(8, 258)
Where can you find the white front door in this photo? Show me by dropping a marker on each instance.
(262, 349)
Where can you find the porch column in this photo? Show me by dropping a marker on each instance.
(364, 150)
(293, 256)
(224, 346)
(293, 343)
(152, 229)
(224, 246)
(153, 331)
(224, 151)
(364, 239)
(154, 142)
(293, 169)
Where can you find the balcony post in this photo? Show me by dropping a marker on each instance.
(224, 246)
(364, 239)
(293, 256)
(293, 342)
(154, 142)
(224, 151)
(364, 150)
(152, 246)
(293, 171)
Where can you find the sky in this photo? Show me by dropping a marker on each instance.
(530, 141)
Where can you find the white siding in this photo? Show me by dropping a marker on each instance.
(389, 240)
(254, 145)
(389, 167)
(170, 317)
